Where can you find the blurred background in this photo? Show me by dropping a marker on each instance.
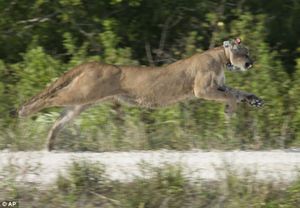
(41, 39)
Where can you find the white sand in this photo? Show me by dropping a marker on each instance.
(44, 167)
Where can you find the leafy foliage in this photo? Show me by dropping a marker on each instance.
(42, 39)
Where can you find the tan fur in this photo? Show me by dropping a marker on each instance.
(201, 76)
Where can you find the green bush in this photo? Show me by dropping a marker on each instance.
(42, 40)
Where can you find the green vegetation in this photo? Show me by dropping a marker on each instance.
(42, 39)
(87, 185)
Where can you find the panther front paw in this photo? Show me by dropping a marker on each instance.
(253, 100)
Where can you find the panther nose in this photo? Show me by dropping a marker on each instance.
(248, 65)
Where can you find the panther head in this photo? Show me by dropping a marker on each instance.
(238, 55)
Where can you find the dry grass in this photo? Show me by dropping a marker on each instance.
(86, 185)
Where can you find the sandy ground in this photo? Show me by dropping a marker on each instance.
(44, 167)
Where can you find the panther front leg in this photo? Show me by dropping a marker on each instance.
(253, 100)
(213, 93)
(243, 97)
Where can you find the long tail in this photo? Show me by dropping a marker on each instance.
(41, 100)
(30, 108)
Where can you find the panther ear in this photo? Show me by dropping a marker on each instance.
(231, 43)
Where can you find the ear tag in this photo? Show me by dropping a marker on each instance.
(238, 41)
